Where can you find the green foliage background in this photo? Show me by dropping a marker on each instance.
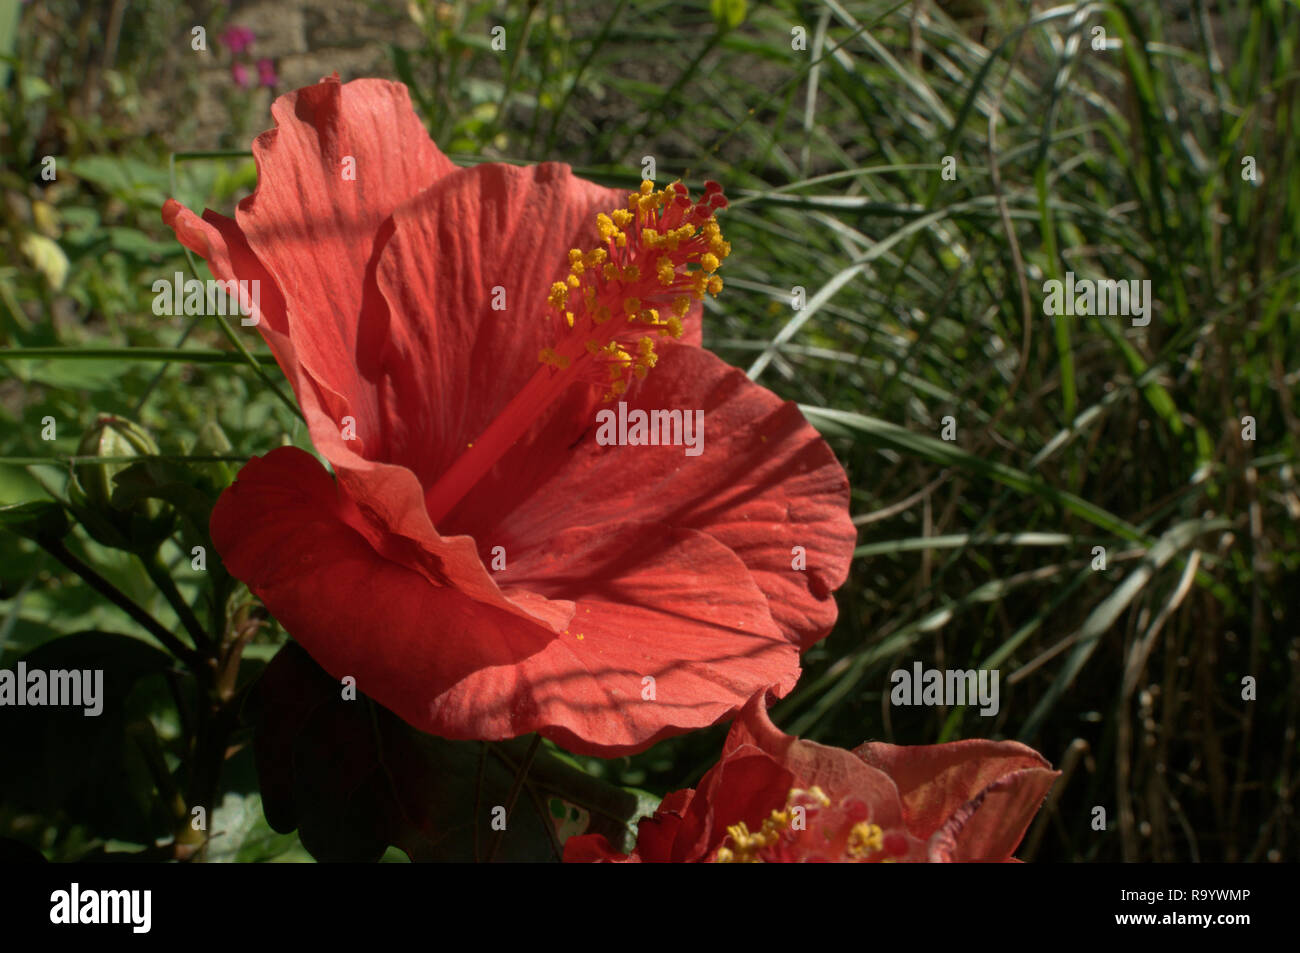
(923, 301)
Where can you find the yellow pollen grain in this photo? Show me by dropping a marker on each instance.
(864, 839)
(666, 271)
(549, 355)
(668, 255)
(559, 295)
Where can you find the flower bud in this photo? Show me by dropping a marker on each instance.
(138, 526)
(110, 437)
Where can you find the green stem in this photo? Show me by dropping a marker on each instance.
(162, 578)
(166, 354)
(114, 595)
(518, 782)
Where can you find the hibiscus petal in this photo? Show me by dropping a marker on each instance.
(765, 483)
(937, 781)
(657, 833)
(428, 638)
(403, 626)
(595, 849)
(988, 828)
(836, 771)
(466, 274)
(341, 158)
(655, 838)
(650, 600)
(746, 786)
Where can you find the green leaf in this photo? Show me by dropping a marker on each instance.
(353, 779)
(128, 179)
(92, 768)
(240, 834)
(37, 520)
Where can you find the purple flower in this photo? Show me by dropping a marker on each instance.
(266, 73)
(239, 73)
(237, 38)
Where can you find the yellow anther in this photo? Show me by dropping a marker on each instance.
(659, 265)
(552, 357)
(864, 839)
(605, 225)
(666, 271)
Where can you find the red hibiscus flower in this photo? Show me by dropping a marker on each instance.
(773, 798)
(479, 561)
